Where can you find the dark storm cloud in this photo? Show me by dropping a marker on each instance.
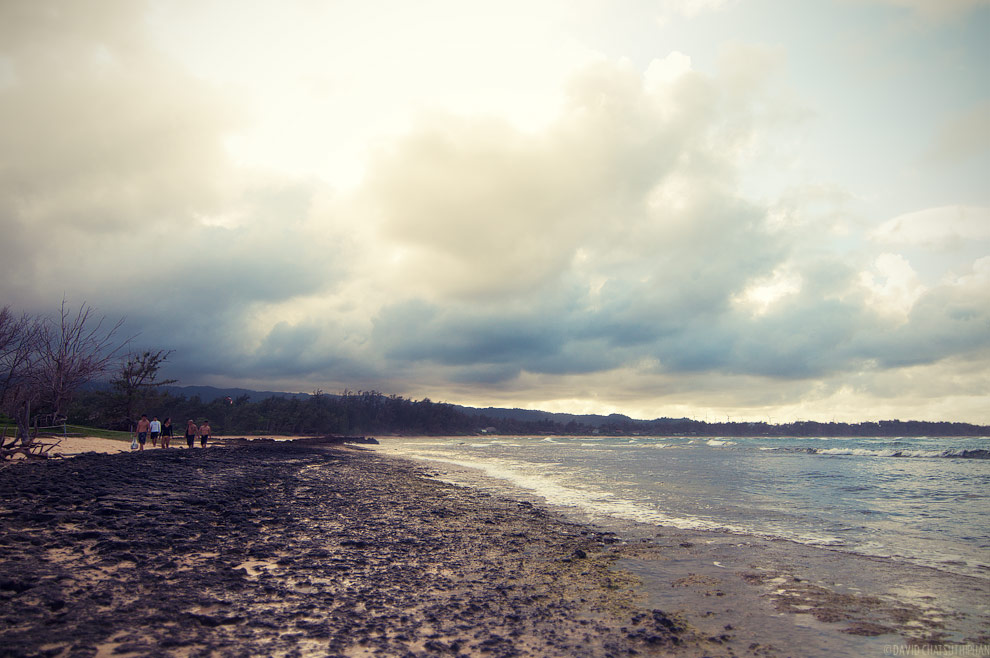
(416, 331)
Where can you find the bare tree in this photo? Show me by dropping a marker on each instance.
(44, 361)
(74, 350)
(19, 340)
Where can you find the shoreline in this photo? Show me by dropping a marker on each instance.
(281, 547)
(826, 600)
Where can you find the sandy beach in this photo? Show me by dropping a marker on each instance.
(72, 446)
(292, 549)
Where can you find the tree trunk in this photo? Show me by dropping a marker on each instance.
(24, 425)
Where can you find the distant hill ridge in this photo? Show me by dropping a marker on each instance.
(210, 393)
(533, 415)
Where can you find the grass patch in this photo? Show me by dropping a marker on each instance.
(8, 429)
(81, 430)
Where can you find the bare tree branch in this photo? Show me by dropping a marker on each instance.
(19, 376)
(137, 375)
(73, 352)
(44, 361)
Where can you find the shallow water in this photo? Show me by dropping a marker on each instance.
(901, 521)
(921, 500)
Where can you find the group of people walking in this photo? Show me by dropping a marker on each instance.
(159, 430)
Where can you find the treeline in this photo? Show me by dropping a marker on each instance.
(362, 412)
(372, 412)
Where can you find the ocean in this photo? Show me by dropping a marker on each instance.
(918, 500)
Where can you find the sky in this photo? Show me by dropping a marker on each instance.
(726, 209)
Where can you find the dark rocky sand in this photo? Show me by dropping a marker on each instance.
(301, 549)
(282, 549)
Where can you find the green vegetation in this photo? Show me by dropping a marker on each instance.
(349, 413)
(73, 430)
(82, 430)
(371, 412)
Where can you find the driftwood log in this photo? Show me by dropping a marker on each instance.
(34, 450)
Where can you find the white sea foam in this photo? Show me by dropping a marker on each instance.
(890, 452)
(858, 452)
(592, 501)
(703, 486)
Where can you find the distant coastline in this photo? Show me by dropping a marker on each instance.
(243, 411)
(576, 424)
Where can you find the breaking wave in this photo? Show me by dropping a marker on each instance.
(893, 452)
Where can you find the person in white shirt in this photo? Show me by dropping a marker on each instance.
(156, 430)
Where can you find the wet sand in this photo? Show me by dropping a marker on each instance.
(779, 597)
(280, 548)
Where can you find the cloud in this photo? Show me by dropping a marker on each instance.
(122, 193)
(629, 176)
(604, 253)
(946, 227)
(963, 136)
(936, 11)
(764, 293)
(893, 285)
(945, 322)
(693, 8)
(105, 132)
(669, 69)
(614, 234)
